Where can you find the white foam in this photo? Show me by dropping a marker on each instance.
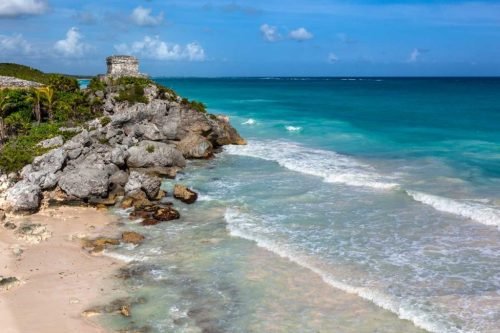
(249, 122)
(122, 257)
(293, 128)
(471, 210)
(239, 226)
(332, 167)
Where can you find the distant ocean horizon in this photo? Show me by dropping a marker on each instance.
(358, 205)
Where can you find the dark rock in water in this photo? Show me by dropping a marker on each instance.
(132, 237)
(8, 282)
(10, 226)
(119, 306)
(99, 244)
(184, 194)
(134, 329)
(150, 222)
(135, 199)
(166, 214)
(142, 214)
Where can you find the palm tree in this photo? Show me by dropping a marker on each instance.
(35, 98)
(49, 94)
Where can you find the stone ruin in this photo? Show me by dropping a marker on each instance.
(121, 65)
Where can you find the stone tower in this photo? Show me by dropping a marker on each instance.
(121, 65)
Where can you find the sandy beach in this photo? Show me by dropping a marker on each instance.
(59, 280)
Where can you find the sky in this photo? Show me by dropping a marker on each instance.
(208, 38)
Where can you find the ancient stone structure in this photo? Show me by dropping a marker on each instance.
(121, 65)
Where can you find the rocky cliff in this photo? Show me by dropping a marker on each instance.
(123, 153)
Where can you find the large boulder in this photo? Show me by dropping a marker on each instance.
(195, 146)
(141, 181)
(85, 181)
(153, 154)
(43, 171)
(23, 197)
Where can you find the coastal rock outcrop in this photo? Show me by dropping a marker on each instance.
(184, 194)
(126, 152)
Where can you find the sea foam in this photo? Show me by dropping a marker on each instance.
(332, 167)
(475, 211)
(293, 128)
(249, 122)
(239, 225)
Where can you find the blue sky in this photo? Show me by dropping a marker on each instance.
(256, 38)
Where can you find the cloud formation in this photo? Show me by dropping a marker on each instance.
(14, 44)
(234, 8)
(142, 17)
(15, 8)
(72, 46)
(155, 48)
(270, 33)
(416, 54)
(332, 58)
(301, 34)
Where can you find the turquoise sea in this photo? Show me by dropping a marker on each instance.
(358, 205)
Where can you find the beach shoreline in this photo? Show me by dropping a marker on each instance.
(58, 279)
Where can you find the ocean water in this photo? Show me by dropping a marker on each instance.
(358, 205)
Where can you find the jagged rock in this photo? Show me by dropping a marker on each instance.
(51, 143)
(85, 181)
(119, 178)
(195, 146)
(23, 197)
(137, 181)
(2, 215)
(224, 134)
(135, 199)
(119, 155)
(33, 233)
(43, 171)
(166, 214)
(5, 182)
(58, 197)
(132, 237)
(170, 172)
(184, 194)
(154, 154)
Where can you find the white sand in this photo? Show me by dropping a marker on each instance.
(60, 280)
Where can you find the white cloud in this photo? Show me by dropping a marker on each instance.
(332, 58)
(142, 16)
(416, 54)
(155, 48)
(270, 33)
(14, 44)
(301, 34)
(13, 8)
(72, 45)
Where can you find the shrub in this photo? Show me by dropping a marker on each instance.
(104, 120)
(150, 149)
(96, 84)
(132, 93)
(20, 151)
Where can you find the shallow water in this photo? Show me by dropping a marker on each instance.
(357, 206)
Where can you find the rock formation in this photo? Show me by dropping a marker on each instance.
(123, 155)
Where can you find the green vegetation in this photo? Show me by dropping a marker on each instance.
(104, 120)
(28, 116)
(21, 150)
(132, 93)
(150, 149)
(194, 105)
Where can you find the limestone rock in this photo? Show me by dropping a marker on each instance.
(137, 181)
(195, 146)
(51, 143)
(85, 181)
(135, 199)
(166, 214)
(154, 154)
(184, 194)
(23, 197)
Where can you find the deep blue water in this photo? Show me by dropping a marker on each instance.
(386, 190)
